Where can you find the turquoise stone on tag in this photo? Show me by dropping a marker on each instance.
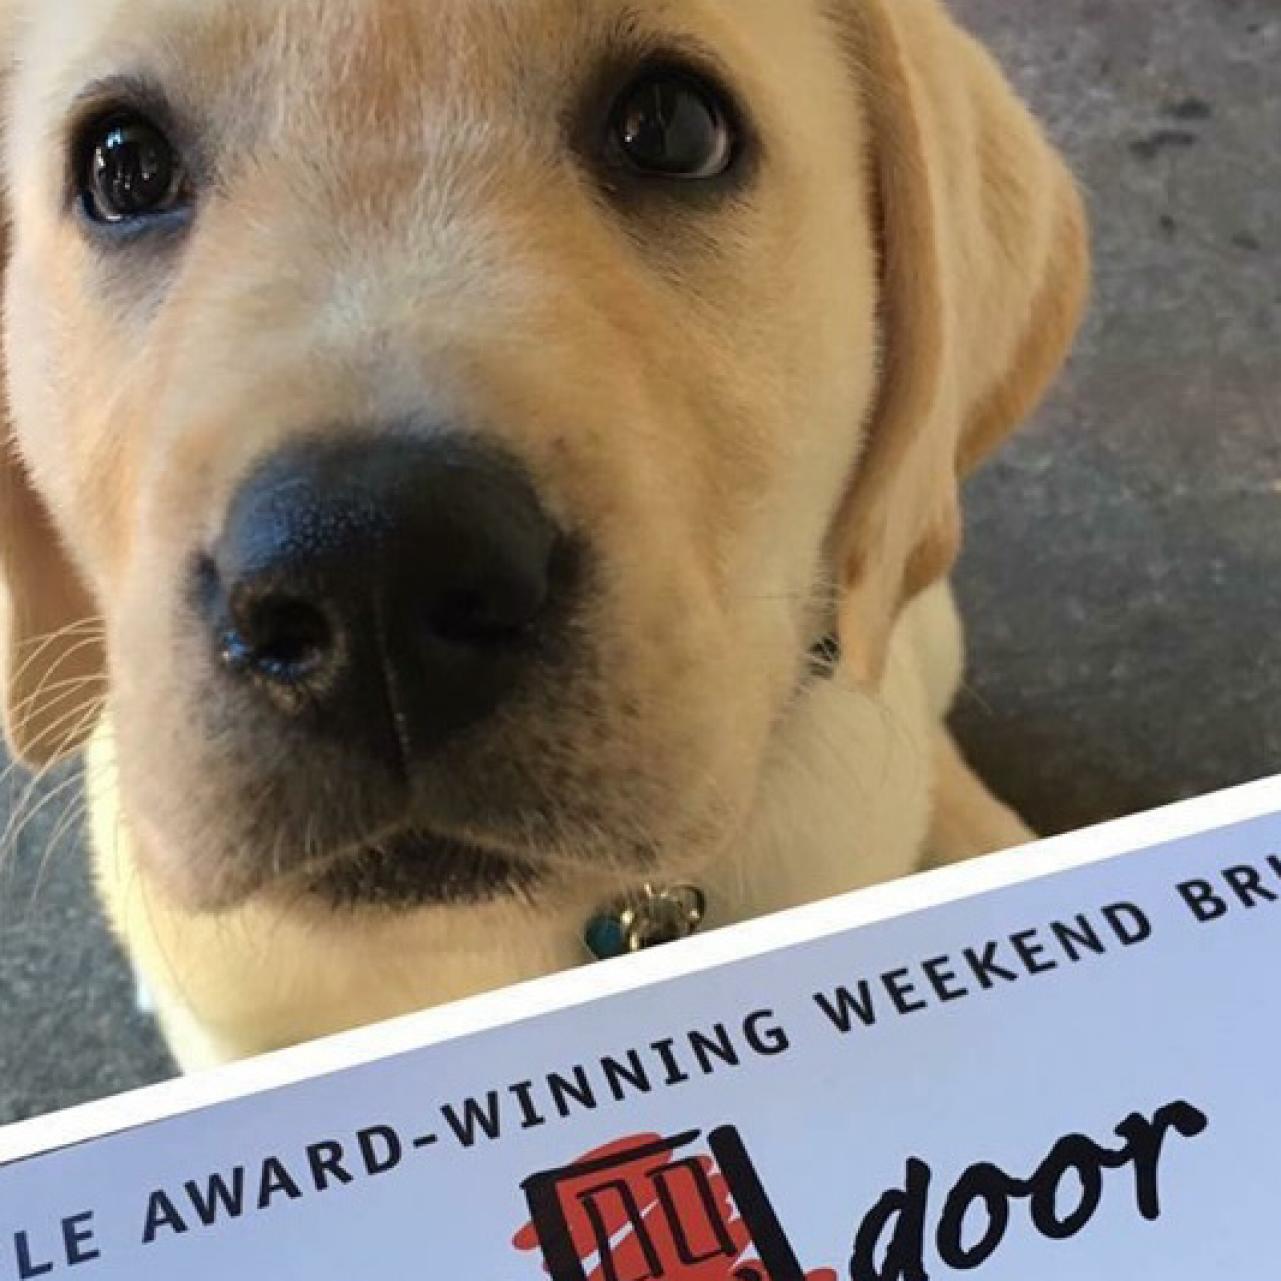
(605, 938)
(649, 919)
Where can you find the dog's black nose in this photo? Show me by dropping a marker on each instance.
(396, 588)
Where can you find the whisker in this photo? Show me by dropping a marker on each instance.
(70, 822)
(21, 813)
(52, 797)
(60, 688)
(94, 629)
(87, 715)
(972, 692)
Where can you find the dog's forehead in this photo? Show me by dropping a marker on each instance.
(459, 45)
(342, 82)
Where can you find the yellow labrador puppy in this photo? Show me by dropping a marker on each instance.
(485, 471)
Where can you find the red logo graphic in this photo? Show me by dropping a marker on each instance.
(643, 1209)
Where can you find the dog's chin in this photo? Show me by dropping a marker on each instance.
(408, 870)
(419, 869)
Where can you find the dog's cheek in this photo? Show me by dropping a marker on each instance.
(41, 413)
(190, 828)
(162, 785)
(695, 709)
(79, 401)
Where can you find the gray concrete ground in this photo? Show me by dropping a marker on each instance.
(1123, 576)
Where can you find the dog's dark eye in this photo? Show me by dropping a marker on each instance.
(129, 170)
(673, 125)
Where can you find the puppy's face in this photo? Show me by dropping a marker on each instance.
(447, 404)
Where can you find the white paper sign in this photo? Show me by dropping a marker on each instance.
(1072, 1076)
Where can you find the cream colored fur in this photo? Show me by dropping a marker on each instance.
(762, 418)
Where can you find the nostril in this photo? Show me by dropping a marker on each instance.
(284, 639)
(480, 619)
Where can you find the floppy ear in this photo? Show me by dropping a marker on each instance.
(51, 655)
(984, 273)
